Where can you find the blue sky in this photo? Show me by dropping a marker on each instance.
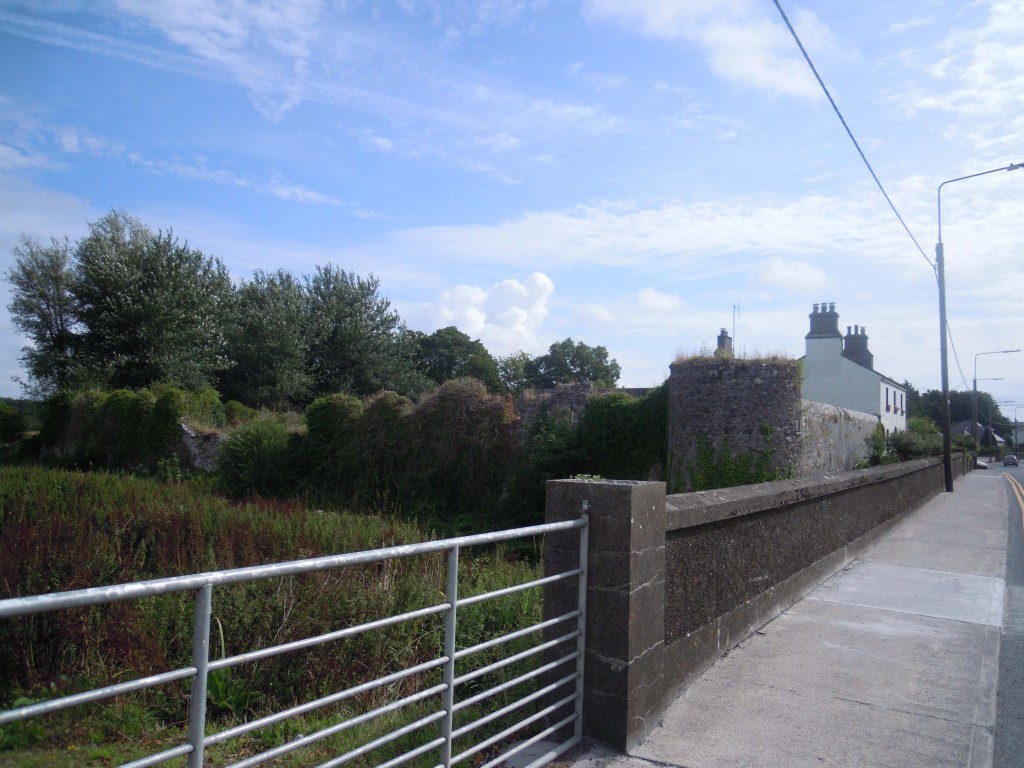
(624, 173)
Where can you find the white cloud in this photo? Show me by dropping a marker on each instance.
(599, 80)
(500, 142)
(978, 76)
(793, 276)
(14, 159)
(506, 317)
(675, 238)
(744, 43)
(367, 137)
(265, 46)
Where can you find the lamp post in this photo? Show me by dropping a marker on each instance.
(974, 394)
(940, 273)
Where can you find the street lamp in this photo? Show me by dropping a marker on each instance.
(974, 395)
(940, 272)
(1015, 427)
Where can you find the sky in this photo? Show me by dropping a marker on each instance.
(636, 174)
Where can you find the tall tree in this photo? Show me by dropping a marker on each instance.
(43, 308)
(359, 345)
(153, 309)
(268, 342)
(512, 372)
(568, 361)
(448, 353)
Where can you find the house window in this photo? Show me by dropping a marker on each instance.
(887, 409)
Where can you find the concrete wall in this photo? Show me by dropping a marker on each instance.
(676, 581)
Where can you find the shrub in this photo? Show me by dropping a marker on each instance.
(54, 416)
(238, 413)
(461, 441)
(550, 451)
(254, 461)
(12, 423)
(203, 408)
(921, 438)
(165, 422)
(330, 448)
(625, 437)
(124, 422)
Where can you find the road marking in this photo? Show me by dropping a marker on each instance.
(1018, 491)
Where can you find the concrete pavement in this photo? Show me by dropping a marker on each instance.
(894, 661)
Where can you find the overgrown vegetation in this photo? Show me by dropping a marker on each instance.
(920, 440)
(130, 307)
(62, 530)
(722, 468)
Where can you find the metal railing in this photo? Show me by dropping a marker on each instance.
(546, 687)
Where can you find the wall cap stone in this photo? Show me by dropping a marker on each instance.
(686, 510)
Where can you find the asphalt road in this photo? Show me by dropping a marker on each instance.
(1009, 733)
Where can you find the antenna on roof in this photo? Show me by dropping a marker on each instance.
(735, 311)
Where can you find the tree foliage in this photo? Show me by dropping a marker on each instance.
(43, 308)
(152, 309)
(358, 344)
(448, 354)
(961, 406)
(268, 342)
(512, 372)
(568, 361)
(127, 307)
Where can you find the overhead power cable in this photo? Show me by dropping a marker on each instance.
(849, 132)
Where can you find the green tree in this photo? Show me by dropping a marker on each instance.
(915, 403)
(12, 423)
(43, 308)
(512, 372)
(268, 342)
(961, 405)
(568, 361)
(448, 354)
(358, 343)
(153, 309)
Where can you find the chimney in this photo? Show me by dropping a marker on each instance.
(824, 322)
(724, 345)
(855, 347)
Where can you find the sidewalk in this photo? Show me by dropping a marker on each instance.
(891, 662)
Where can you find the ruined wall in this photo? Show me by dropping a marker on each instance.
(832, 439)
(565, 399)
(745, 407)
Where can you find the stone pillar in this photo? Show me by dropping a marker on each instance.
(625, 623)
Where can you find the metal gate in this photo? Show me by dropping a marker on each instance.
(554, 686)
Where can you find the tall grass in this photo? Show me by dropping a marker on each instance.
(64, 530)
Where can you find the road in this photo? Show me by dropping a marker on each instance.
(1009, 733)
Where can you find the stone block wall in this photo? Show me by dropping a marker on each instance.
(832, 439)
(674, 582)
(751, 406)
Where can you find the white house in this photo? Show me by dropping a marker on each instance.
(838, 370)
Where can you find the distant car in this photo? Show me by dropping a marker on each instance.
(1009, 460)
(980, 464)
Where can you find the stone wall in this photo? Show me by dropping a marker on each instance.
(674, 582)
(565, 399)
(752, 407)
(832, 439)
